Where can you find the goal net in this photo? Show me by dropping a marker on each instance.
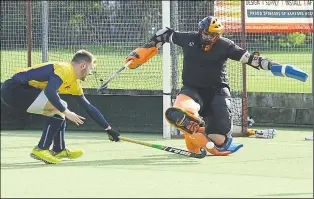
(280, 30)
(189, 13)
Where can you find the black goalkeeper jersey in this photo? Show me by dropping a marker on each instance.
(205, 69)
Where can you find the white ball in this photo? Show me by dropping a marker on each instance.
(210, 145)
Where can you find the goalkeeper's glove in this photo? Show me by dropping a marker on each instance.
(266, 133)
(141, 55)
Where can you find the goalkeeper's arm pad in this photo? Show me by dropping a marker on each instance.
(256, 61)
(161, 36)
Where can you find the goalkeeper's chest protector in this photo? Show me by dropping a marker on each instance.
(205, 69)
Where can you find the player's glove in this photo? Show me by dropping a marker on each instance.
(266, 133)
(141, 55)
(113, 135)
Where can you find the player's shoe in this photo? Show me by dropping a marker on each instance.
(44, 155)
(310, 137)
(68, 153)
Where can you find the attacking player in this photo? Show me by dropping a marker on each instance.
(35, 90)
(204, 99)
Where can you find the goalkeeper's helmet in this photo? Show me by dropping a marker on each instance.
(210, 29)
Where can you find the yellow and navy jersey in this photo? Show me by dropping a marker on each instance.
(38, 76)
(58, 77)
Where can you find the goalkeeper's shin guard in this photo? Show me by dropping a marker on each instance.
(52, 126)
(199, 140)
(194, 142)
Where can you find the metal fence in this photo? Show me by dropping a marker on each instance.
(111, 29)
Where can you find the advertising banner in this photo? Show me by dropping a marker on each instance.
(267, 16)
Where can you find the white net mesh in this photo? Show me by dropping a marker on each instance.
(281, 31)
(13, 37)
(110, 30)
(229, 12)
(189, 14)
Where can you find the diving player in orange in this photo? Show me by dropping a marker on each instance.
(36, 90)
(205, 99)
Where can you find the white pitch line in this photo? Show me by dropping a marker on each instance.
(287, 144)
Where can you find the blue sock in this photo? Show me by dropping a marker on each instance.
(58, 140)
(52, 126)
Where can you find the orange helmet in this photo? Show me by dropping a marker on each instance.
(210, 24)
(210, 29)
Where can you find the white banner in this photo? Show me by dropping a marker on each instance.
(267, 16)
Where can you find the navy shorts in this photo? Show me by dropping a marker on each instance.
(215, 108)
(18, 95)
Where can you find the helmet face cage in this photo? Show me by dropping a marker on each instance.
(210, 30)
(209, 37)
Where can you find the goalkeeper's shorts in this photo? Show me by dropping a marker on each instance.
(18, 95)
(215, 104)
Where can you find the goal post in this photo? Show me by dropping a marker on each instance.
(166, 62)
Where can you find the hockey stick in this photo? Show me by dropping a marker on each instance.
(168, 148)
(104, 85)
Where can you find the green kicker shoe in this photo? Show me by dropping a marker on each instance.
(68, 153)
(44, 155)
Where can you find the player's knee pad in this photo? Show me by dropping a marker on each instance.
(182, 120)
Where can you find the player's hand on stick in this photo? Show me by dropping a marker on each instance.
(113, 135)
(77, 119)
